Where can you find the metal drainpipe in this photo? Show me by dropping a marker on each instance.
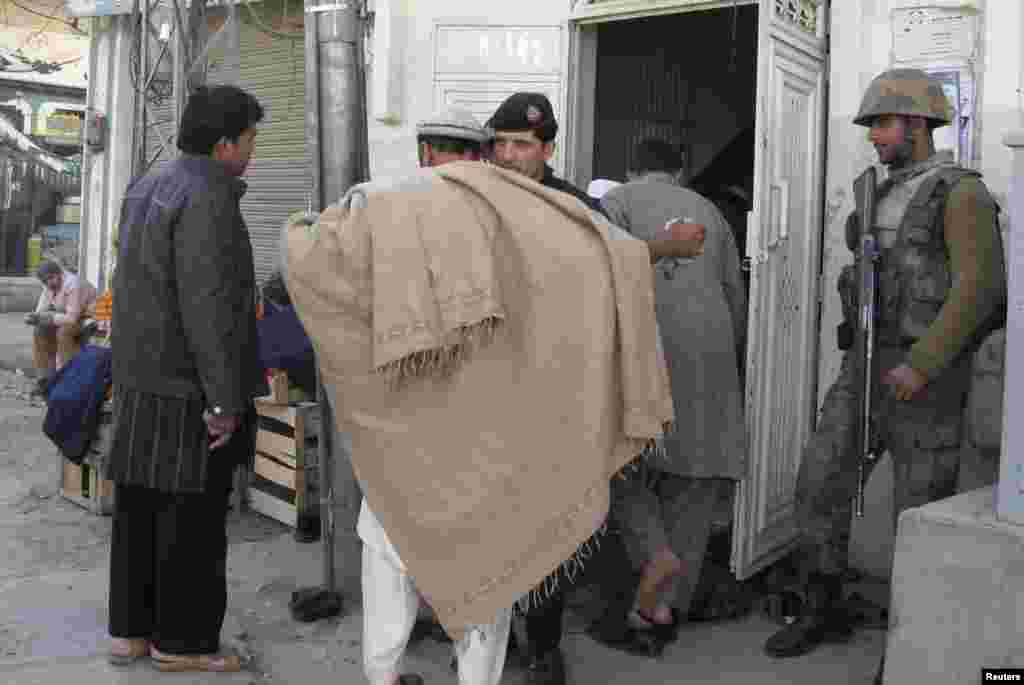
(337, 145)
(85, 231)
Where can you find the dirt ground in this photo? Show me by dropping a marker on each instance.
(53, 585)
(41, 533)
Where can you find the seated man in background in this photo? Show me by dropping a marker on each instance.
(57, 318)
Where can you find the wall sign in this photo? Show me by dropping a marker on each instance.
(933, 34)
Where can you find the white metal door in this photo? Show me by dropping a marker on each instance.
(784, 244)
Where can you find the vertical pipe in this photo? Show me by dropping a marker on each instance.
(316, 202)
(179, 51)
(336, 133)
(85, 171)
(142, 81)
(196, 38)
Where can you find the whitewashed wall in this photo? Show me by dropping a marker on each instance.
(106, 173)
(403, 88)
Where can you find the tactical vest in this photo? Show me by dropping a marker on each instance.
(914, 275)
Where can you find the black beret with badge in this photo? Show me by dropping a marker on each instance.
(526, 112)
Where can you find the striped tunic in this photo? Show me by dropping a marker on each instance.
(161, 442)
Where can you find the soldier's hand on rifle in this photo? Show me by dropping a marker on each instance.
(906, 382)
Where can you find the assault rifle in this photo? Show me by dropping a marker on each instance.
(864, 344)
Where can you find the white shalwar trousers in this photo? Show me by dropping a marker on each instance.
(390, 606)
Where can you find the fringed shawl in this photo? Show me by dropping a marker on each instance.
(493, 355)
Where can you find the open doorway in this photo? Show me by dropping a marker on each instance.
(741, 88)
(690, 79)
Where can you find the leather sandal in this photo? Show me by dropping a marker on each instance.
(125, 651)
(211, 663)
(640, 620)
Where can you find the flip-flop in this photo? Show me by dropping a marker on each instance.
(137, 648)
(212, 663)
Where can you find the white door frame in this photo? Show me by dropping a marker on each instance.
(784, 243)
(764, 530)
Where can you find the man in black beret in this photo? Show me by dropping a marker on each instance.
(524, 140)
(525, 127)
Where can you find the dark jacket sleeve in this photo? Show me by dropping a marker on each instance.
(215, 289)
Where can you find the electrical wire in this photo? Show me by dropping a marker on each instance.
(266, 29)
(61, 20)
(158, 91)
(41, 68)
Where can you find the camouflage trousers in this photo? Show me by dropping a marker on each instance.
(923, 437)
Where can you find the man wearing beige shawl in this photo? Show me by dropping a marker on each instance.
(390, 597)
(489, 350)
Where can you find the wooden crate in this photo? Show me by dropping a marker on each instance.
(84, 486)
(286, 458)
(278, 382)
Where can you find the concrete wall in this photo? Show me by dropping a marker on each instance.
(861, 48)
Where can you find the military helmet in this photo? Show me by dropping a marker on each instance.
(456, 123)
(908, 92)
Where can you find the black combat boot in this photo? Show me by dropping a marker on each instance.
(410, 679)
(546, 669)
(821, 620)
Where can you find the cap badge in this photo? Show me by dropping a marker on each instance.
(533, 115)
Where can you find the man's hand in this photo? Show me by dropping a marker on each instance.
(220, 428)
(906, 382)
(686, 236)
(32, 318)
(678, 239)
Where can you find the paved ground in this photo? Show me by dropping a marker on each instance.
(15, 342)
(53, 584)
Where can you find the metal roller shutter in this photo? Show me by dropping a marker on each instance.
(279, 176)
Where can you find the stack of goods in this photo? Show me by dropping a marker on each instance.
(83, 481)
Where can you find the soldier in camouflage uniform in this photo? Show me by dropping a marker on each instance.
(942, 289)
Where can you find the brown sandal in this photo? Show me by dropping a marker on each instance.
(212, 663)
(125, 651)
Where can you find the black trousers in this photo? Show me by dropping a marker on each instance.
(168, 580)
(609, 568)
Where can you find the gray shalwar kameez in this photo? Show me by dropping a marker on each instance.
(702, 312)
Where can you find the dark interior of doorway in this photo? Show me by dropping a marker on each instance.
(690, 79)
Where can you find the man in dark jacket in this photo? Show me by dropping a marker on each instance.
(185, 371)
(524, 141)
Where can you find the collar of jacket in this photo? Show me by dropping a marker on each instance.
(658, 177)
(209, 167)
(903, 174)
